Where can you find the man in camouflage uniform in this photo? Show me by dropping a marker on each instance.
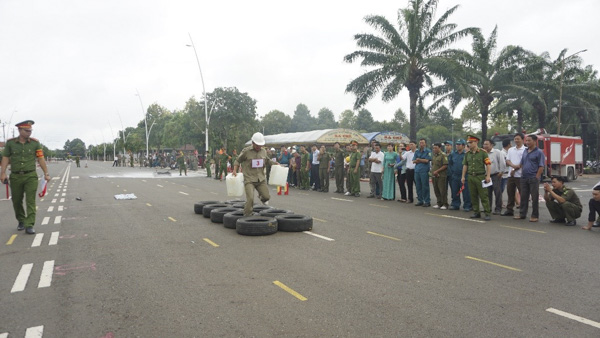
(324, 159)
(21, 152)
(223, 159)
(304, 168)
(207, 160)
(339, 168)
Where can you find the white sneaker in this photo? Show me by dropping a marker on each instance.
(347, 194)
(443, 208)
(436, 206)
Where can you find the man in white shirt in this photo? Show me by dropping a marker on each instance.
(513, 160)
(410, 170)
(505, 146)
(376, 161)
(497, 170)
(315, 183)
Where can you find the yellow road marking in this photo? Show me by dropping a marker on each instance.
(524, 229)
(11, 240)
(379, 206)
(320, 220)
(148, 204)
(492, 263)
(460, 218)
(290, 291)
(376, 234)
(211, 242)
(172, 219)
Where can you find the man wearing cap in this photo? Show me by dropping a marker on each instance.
(253, 160)
(477, 164)
(324, 160)
(455, 163)
(223, 159)
(422, 161)
(304, 168)
(439, 165)
(339, 168)
(181, 163)
(353, 170)
(22, 152)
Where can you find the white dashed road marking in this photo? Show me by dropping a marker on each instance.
(35, 332)
(37, 241)
(57, 219)
(22, 278)
(574, 317)
(319, 236)
(50, 208)
(46, 278)
(45, 220)
(53, 238)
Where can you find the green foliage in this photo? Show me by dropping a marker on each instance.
(326, 119)
(276, 122)
(434, 133)
(364, 121)
(347, 119)
(75, 147)
(302, 120)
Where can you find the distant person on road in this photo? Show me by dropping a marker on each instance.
(253, 160)
(24, 150)
(77, 161)
(594, 209)
(562, 202)
(181, 163)
(207, 160)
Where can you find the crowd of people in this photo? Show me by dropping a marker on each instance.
(485, 181)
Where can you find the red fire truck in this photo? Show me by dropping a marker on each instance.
(564, 154)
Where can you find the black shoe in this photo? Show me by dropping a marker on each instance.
(496, 212)
(468, 210)
(426, 205)
(419, 204)
(371, 196)
(487, 217)
(21, 226)
(507, 213)
(571, 223)
(596, 224)
(476, 215)
(558, 220)
(30, 231)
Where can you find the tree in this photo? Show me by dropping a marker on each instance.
(442, 116)
(364, 121)
(484, 77)
(347, 119)
(406, 57)
(326, 119)
(276, 122)
(434, 133)
(75, 147)
(233, 120)
(302, 120)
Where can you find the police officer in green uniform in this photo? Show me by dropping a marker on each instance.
(304, 168)
(562, 202)
(207, 160)
(354, 171)
(439, 166)
(234, 157)
(339, 168)
(77, 161)
(253, 160)
(324, 159)
(22, 152)
(181, 163)
(477, 164)
(223, 159)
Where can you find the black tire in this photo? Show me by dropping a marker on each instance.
(216, 215)
(235, 201)
(274, 212)
(198, 206)
(209, 207)
(230, 218)
(256, 226)
(260, 207)
(294, 223)
(239, 205)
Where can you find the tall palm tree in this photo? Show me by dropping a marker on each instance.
(485, 76)
(406, 57)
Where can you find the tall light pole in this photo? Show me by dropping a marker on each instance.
(145, 121)
(206, 117)
(562, 73)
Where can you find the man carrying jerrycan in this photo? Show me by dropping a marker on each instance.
(253, 160)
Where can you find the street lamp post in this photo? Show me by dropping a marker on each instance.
(562, 73)
(206, 117)
(145, 121)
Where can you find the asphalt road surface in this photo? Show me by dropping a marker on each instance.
(151, 267)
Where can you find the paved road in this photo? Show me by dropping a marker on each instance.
(150, 267)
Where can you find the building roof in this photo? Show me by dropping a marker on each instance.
(324, 136)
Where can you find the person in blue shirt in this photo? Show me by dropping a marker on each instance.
(422, 161)
(455, 164)
(532, 167)
(284, 159)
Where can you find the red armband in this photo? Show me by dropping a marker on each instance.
(39, 153)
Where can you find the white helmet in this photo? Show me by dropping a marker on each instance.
(258, 139)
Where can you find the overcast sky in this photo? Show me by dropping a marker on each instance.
(73, 66)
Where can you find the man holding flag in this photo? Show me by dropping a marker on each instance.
(22, 152)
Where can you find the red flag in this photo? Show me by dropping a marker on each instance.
(44, 186)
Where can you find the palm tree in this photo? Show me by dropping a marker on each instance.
(406, 57)
(484, 77)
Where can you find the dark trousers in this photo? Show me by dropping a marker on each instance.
(456, 185)
(402, 185)
(376, 184)
(314, 177)
(495, 191)
(410, 180)
(513, 184)
(339, 178)
(530, 187)
(594, 209)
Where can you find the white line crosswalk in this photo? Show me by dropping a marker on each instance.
(31, 332)
(25, 272)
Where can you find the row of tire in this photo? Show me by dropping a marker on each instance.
(265, 221)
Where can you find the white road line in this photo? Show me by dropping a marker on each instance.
(37, 241)
(4, 335)
(35, 332)
(22, 278)
(46, 277)
(57, 219)
(62, 200)
(60, 208)
(53, 238)
(183, 193)
(55, 195)
(143, 180)
(45, 220)
(160, 185)
(341, 199)
(574, 317)
(64, 194)
(455, 217)
(318, 236)
(54, 200)
(51, 208)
